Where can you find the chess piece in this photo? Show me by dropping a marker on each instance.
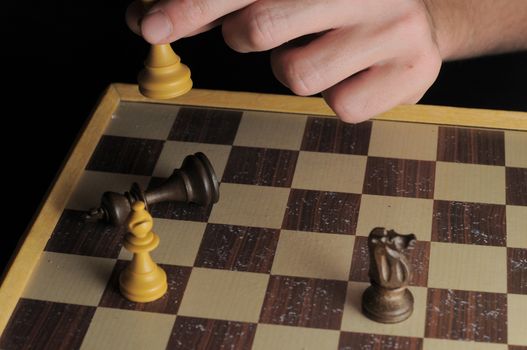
(142, 280)
(195, 182)
(164, 76)
(388, 300)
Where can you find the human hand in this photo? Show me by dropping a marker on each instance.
(364, 56)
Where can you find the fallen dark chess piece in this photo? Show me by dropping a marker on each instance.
(194, 182)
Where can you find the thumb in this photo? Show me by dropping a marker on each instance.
(152, 24)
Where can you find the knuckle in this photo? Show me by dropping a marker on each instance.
(194, 11)
(425, 65)
(354, 113)
(413, 23)
(262, 25)
(415, 13)
(433, 66)
(299, 75)
(349, 110)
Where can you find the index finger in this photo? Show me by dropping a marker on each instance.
(134, 14)
(169, 20)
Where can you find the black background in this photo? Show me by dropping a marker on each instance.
(59, 56)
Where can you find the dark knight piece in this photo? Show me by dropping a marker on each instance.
(195, 182)
(388, 300)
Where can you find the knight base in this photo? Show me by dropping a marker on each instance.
(387, 305)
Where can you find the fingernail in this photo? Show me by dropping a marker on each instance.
(156, 26)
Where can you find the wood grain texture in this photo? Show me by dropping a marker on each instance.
(40, 324)
(237, 248)
(74, 235)
(205, 125)
(516, 186)
(466, 315)
(206, 334)
(125, 155)
(360, 341)
(260, 166)
(474, 146)
(399, 177)
(322, 211)
(469, 223)
(304, 302)
(331, 135)
(517, 270)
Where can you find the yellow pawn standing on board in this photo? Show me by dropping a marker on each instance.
(164, 76)
(142, 280)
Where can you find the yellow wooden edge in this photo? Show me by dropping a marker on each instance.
(36, 237)
(470, 117)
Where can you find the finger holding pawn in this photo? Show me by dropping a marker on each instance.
(164, 76)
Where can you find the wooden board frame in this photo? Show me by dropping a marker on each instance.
(39, 230)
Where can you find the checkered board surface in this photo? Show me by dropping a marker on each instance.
(281, 261)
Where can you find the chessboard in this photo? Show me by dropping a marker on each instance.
(281, 261)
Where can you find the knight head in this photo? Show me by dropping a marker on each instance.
(392, 239)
